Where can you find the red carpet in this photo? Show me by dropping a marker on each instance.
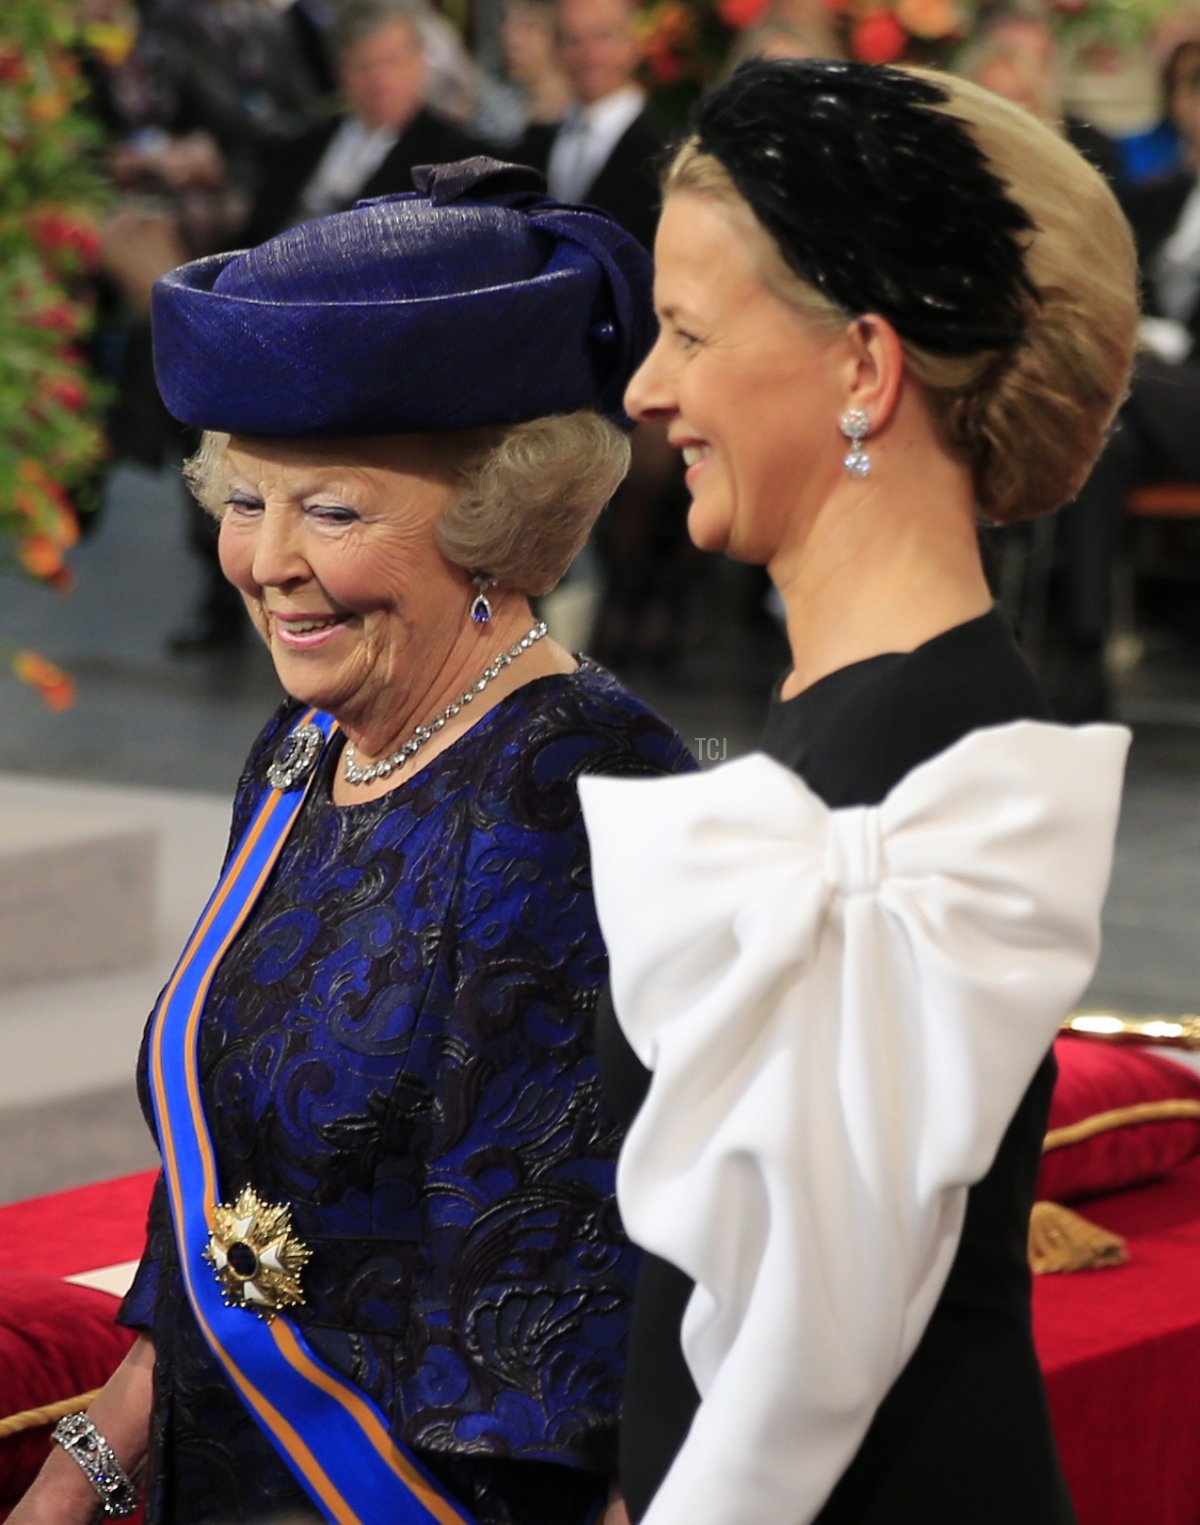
(77, 1230)
(1121, 1353)
(1120, 1348)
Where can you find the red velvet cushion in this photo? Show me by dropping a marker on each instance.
(1096, 1078)
(56, 1340)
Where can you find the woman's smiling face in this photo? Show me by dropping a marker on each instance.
(745, 384)
(331, 544)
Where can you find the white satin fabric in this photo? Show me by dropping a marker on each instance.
(842, 1010)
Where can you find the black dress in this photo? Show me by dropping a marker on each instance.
(964, 1433)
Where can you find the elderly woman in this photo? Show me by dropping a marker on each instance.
(385, 1277)
(890, 303)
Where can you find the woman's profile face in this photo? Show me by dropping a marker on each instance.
(745, 384)
(331, 544)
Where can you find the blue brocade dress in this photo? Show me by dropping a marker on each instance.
(400, 1045)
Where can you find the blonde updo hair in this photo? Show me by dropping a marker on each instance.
(526, 500)
(1029, 421)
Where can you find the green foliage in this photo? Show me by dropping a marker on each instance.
(1110, 25)
(51, 192)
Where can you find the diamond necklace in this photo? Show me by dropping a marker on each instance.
(353, 774)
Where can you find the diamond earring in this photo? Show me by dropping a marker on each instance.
(855, 425)
(481, 608)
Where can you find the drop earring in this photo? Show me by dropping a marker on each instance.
(855, 425)
(481, 608)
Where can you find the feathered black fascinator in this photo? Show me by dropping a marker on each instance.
(875, 197)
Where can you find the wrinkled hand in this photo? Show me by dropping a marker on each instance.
(61, 1494)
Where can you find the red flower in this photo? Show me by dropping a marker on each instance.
(40, 555)
(742, 13)
(879, 39)
(59, 318)
(67, 391)
(664, 65)
(13, 69)
(56, 232)
(55, 686)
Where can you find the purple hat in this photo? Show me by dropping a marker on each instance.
(474, 300)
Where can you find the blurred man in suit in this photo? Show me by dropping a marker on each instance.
(1016, 54)
(607, 151)
(607, 148)
(386, 130)
(368, 150)
(1165, 212)
(1156, 438)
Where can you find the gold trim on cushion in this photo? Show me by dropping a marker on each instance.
(34, 1419)
(1118, 1027)
(1120, 1117)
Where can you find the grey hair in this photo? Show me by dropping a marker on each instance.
(525, 502)
(355, 19)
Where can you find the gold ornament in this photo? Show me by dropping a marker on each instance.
(257, 1257)
(1118, 1027)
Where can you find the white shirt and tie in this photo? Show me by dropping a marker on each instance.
(1177, 276)
(1175, 280)
(355, 152)
(586, 139)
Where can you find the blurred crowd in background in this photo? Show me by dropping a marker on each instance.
(226, 121)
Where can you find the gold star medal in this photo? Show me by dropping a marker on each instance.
(255, 1254)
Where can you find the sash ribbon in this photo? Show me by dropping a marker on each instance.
(331, 1435)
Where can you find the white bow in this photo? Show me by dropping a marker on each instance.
(842, 1009)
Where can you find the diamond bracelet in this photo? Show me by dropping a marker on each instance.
(85, 1445)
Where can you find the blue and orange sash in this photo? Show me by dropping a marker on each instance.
(330, 1435)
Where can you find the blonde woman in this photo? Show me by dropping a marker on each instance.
(890, 304)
